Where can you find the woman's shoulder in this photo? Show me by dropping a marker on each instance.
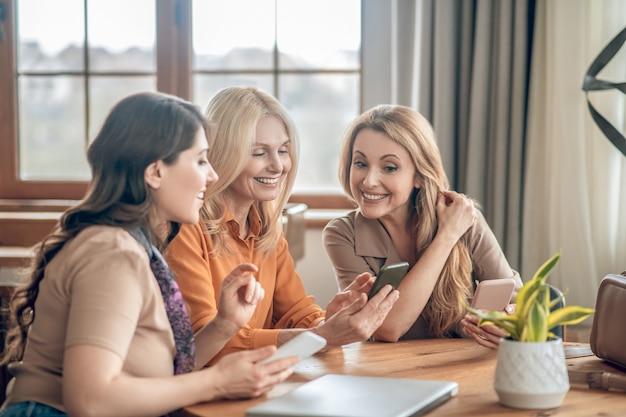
(196, 229)
(345, 221)
(101, 251)
(357, 225)
(479, 231)
(101, 238)
(190, 238)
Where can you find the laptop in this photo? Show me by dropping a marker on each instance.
(358, 396)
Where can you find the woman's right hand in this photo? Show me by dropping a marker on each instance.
(361, 285)
(240, 375)
(239, 296)
(455, 214)
(357, 321)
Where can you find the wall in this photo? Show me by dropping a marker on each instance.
(315, 269)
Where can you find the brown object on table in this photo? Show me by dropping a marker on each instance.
(607, 331)
(596, 373)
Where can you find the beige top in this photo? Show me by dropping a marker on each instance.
(356, 244)
(99, 291)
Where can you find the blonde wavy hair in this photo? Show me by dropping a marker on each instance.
(233, 114)
(413, 132)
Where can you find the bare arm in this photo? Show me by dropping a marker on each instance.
(95, 385)
(455, 217)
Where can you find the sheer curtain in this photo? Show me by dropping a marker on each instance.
(575, 187)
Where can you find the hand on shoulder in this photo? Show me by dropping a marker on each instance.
(456, 213)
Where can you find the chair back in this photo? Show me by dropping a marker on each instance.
(555, 293)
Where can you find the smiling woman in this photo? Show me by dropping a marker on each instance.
(102, 303)
(391, 167)
(255, 152)
(261, 179)
(179, 188)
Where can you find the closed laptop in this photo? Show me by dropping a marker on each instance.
(358, 396)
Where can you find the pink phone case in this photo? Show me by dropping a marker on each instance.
(493, 294)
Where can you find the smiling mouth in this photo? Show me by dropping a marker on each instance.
(268, 181)
(373, 197)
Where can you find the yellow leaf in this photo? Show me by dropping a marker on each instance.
(568, 315)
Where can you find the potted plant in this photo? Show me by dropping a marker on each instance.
(531, 371)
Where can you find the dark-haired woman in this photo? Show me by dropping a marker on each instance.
(101, 328)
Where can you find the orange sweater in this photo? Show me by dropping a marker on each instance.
(200, 275)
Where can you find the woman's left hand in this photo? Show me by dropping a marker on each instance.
(488, 335)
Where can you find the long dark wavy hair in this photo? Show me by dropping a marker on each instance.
(141, 129)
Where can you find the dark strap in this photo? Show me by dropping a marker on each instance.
(591, 83)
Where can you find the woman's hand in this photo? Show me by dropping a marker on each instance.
(358, 320)
(241, 376)
(239, 296)
(361, 285)
(455, 214)
(488, 335)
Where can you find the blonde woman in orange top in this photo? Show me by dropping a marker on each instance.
(255, 154)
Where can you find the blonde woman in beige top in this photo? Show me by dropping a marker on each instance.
(391, 167)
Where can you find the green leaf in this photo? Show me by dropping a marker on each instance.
(544, 270)
(568, 315)
(532, 319)
(529, 299)
(536, 329)
(503, 324)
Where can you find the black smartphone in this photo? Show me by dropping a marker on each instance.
(389, 274)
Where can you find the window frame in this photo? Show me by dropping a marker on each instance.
(172, 18)
(173, 40)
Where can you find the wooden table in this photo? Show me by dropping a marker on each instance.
(460, 360)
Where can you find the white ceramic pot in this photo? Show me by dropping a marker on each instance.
(531, 375)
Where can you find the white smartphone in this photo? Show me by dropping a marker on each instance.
(303, 345)
(493, 294)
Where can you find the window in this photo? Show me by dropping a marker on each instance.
(65, 69)
(305, 56)
(67, 80)
(68, 61)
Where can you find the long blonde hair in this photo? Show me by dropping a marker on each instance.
(412, 131)
(234, 113)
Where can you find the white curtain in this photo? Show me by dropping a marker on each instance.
(575, 184)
